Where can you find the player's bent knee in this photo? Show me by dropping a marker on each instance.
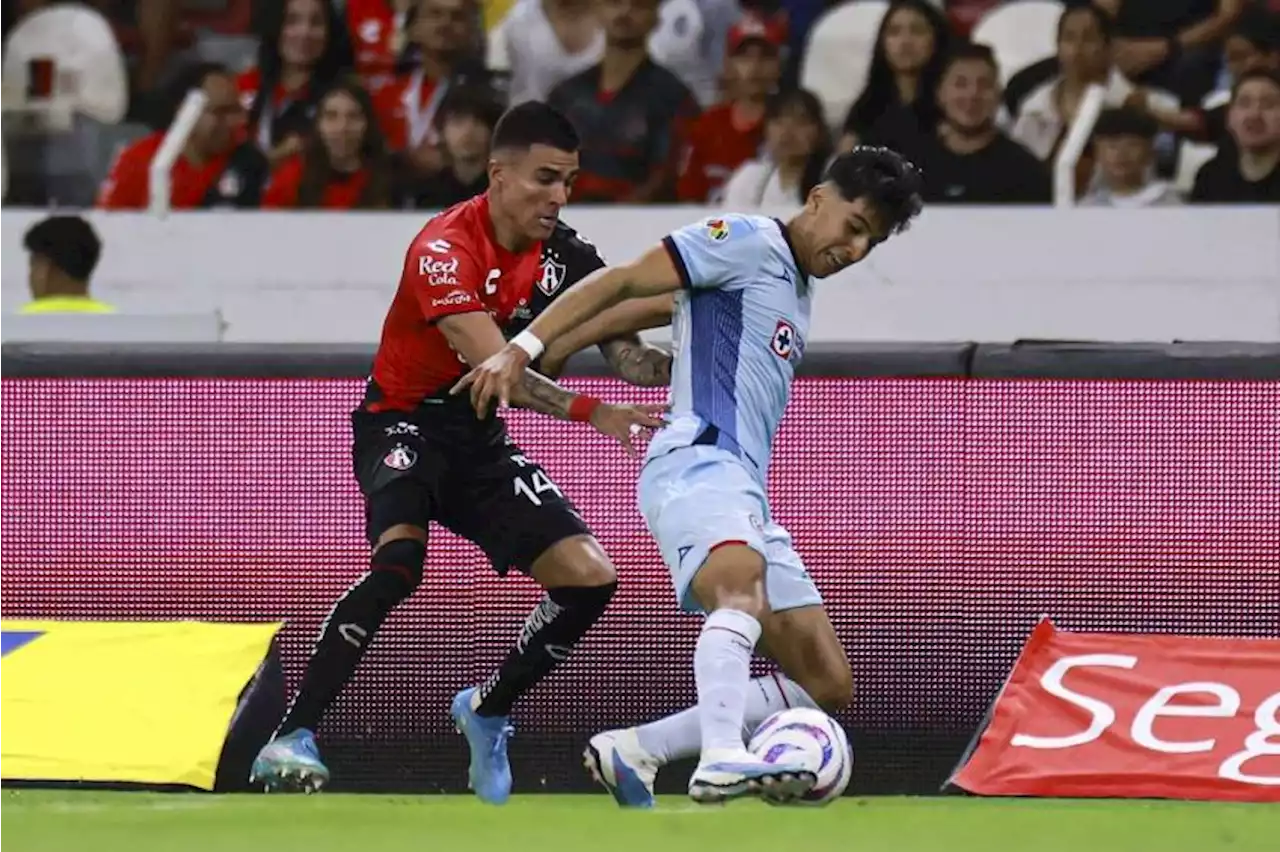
(834, 692)
(732, 577)
(403, 559)
(575, 561)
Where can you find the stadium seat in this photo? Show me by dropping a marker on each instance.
(838, 55)
(1021, 33)
(87, 68)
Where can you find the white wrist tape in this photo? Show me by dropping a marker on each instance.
(529, 342)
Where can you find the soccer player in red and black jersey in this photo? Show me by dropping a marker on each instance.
(474, 276)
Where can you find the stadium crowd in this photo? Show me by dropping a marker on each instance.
(390, 103)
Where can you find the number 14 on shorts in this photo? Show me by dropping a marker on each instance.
(535, 483)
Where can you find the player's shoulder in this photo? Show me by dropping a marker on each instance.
(454, 229)
(568, 241)
(734, 230)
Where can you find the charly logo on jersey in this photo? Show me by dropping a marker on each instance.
(404, 427)
(784, 339)
(718, 230)
(400, 458)
(552, 278)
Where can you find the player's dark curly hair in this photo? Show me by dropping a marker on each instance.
(888, 180)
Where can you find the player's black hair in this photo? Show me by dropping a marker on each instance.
(967, 50)
(535, 123)
(1125, 122)
(889, 181)
(69, 242)
(1255, 74)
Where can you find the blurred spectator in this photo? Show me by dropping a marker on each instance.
(1084, 59)
(466, 121)
(1172, 44)
(442, 33)
(690, 40)
(796, 150)
(898, 106)
(549, 41)
(727, 135)
(1247, 172)
(64, 252)
(344, 164)
(1125, 143)
(969, 161)
(218, 166)
(304, 48)
(629, 111)
(378, 30)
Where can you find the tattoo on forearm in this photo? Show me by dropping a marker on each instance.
(539, 393)
(638, 363)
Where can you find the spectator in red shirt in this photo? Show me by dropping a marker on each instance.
(303, 49)
(727, 135)
(344, 163)
(442, 33)
(378, 34)
(218, 166)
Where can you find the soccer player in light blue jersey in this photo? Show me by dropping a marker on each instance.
(743, 288)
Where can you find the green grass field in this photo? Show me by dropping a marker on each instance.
(43, 821)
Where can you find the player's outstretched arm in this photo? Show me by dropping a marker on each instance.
(476, 337)
(614, 331)
(654, 274)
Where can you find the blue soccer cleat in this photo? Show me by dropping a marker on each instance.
(616, 760)
(290, 764)
(490, 772)
(722, 776)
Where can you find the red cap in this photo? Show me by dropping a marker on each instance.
(771, 31)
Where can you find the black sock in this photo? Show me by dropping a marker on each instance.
(344, 637)
(562, 618)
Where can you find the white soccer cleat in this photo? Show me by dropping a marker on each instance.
(617, 760)
(732, 774)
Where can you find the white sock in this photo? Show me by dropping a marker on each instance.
(680, 734)
(722, 670)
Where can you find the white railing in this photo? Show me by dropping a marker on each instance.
(1064, 167)
(171, 148)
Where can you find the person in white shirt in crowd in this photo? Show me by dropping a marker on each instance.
(546, 42)
(1124, 141)
(1084, 59)
(796, 149)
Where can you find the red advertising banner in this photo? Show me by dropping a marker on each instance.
(1133, 716)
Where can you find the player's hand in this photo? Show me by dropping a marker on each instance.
(495, 378)
(625, 422)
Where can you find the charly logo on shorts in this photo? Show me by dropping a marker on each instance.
(400, 458)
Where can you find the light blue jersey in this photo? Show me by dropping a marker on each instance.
(738, 333)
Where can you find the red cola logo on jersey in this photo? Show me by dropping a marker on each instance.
(439, 273)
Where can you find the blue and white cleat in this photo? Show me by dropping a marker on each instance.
(290, 764)
(616, 760)
(725, 775)
(490, 772)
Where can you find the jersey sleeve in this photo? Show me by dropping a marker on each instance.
(717, 252)
(444, 277)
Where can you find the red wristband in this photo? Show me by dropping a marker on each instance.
(582, 408)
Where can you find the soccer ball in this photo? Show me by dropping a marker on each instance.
(812, 739)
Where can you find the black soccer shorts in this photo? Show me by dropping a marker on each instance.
(438, 463)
